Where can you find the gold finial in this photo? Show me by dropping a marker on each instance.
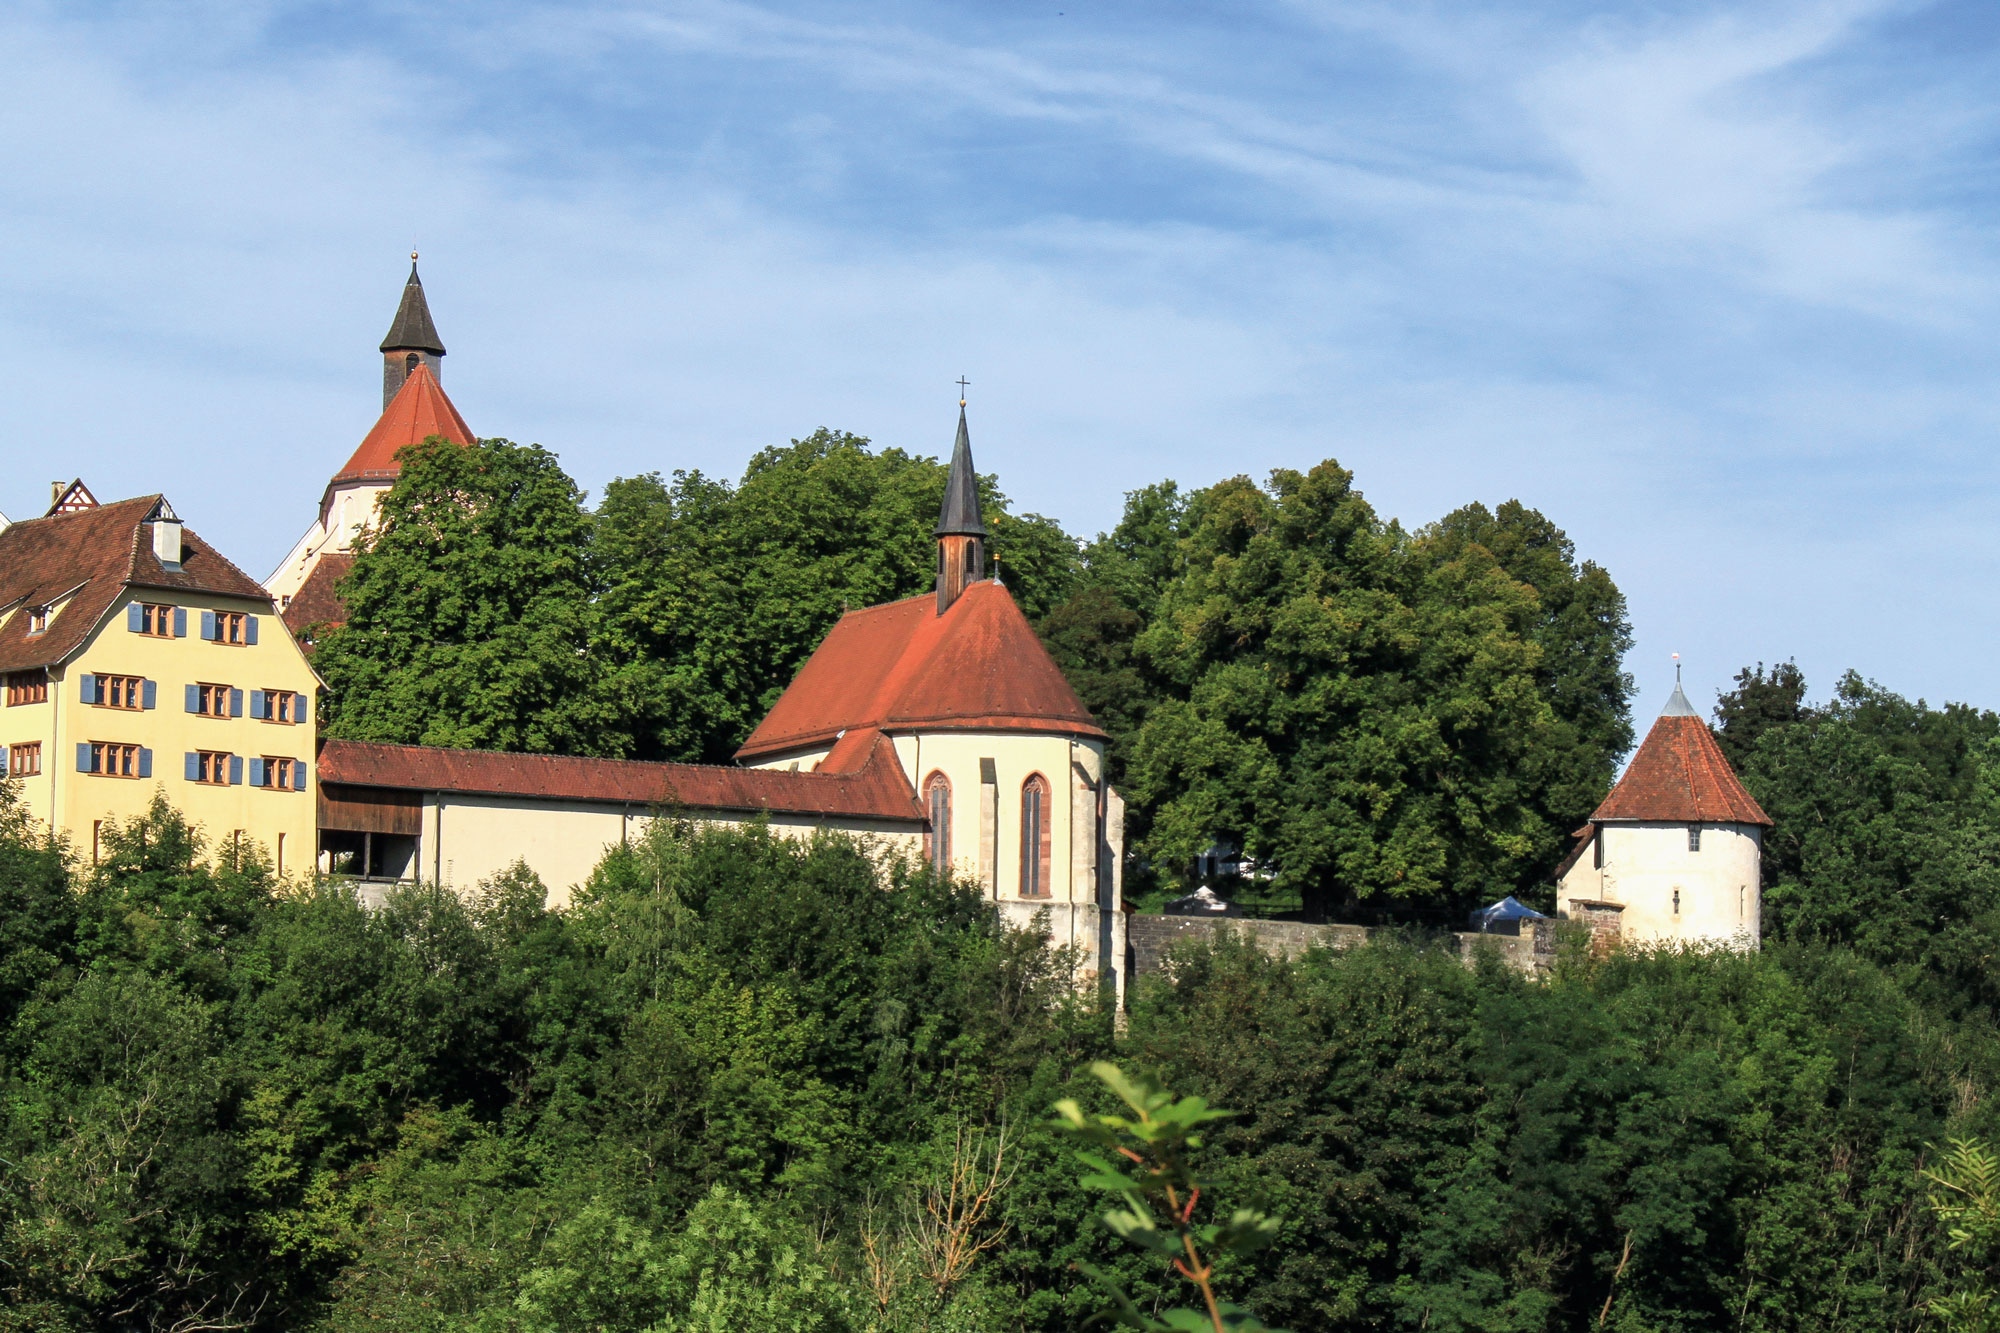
(413, 256)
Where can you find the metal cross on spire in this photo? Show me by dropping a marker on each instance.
(962, 383)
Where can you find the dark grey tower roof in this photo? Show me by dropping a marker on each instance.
(413, 330)
(959, 517)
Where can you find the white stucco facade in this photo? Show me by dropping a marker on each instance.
(988, 773)
(349, 508)
(1669, 889)
(464, 840)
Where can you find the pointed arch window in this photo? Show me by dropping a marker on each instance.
(937, 804)
(1035, 837)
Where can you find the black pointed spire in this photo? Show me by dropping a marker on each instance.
(959, 516)
(413, 330)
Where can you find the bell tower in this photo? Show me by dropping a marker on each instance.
(961, 536)
(412, 341)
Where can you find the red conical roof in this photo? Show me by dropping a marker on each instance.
(418, 411)
(903, 667)
(1680, 776)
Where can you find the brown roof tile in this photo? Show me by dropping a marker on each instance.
(902, 667)
(876, 790)
(1680, 776)
(419, 410)
(317, 602)
(97, 553)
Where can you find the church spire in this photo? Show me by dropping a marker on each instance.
(960, 533)
(412, 340)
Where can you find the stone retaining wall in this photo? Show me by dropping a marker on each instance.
(1151, 938)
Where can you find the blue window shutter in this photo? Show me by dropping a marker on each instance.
(250, 630)
(135, 617)
(83, 756)
(298, 775)
(149, 694)
(257, 703)
(3, 761)
(87, 688)
(301, 709)
(194, 698)
(235, 770)
(193, 773)
(256, 772)
(236, 703)
(208, 625)
(180, 622)
(145, 762)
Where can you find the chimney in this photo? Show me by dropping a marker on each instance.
(167, 541)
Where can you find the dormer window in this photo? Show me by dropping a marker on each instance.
(38, 620)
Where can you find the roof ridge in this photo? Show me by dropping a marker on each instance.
(593, 758)
(132, 556)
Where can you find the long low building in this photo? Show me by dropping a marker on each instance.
(403, 813)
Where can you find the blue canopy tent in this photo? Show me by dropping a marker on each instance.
(1508, 910)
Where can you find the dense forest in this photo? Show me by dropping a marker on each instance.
(1410, 721)
(750, 1083)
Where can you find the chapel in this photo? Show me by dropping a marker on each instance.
(935, 726)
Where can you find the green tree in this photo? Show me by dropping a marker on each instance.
(1758, 703)
(1144, 1158)
(1886, 836)
(1965, 1198)
(715, 595)
(1093, 634)
(471, 612)
(1358, 711)
(38, 910)
(1581, 628)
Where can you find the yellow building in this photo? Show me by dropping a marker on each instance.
(137, 660)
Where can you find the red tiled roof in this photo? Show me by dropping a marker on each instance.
(94, 554)
(902, 667)
(876, 790)
(317, 602)
(418, 411)
(1680, 776)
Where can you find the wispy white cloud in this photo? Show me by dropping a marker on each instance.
(1703, 282)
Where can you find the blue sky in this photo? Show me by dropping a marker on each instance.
(1714, 286)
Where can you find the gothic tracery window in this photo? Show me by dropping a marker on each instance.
(1035, 837)
(937, 804)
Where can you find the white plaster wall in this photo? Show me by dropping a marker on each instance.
(1067, 765)
(348, 509)
(1644, 864)
(562, 841)
(1084, 905)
